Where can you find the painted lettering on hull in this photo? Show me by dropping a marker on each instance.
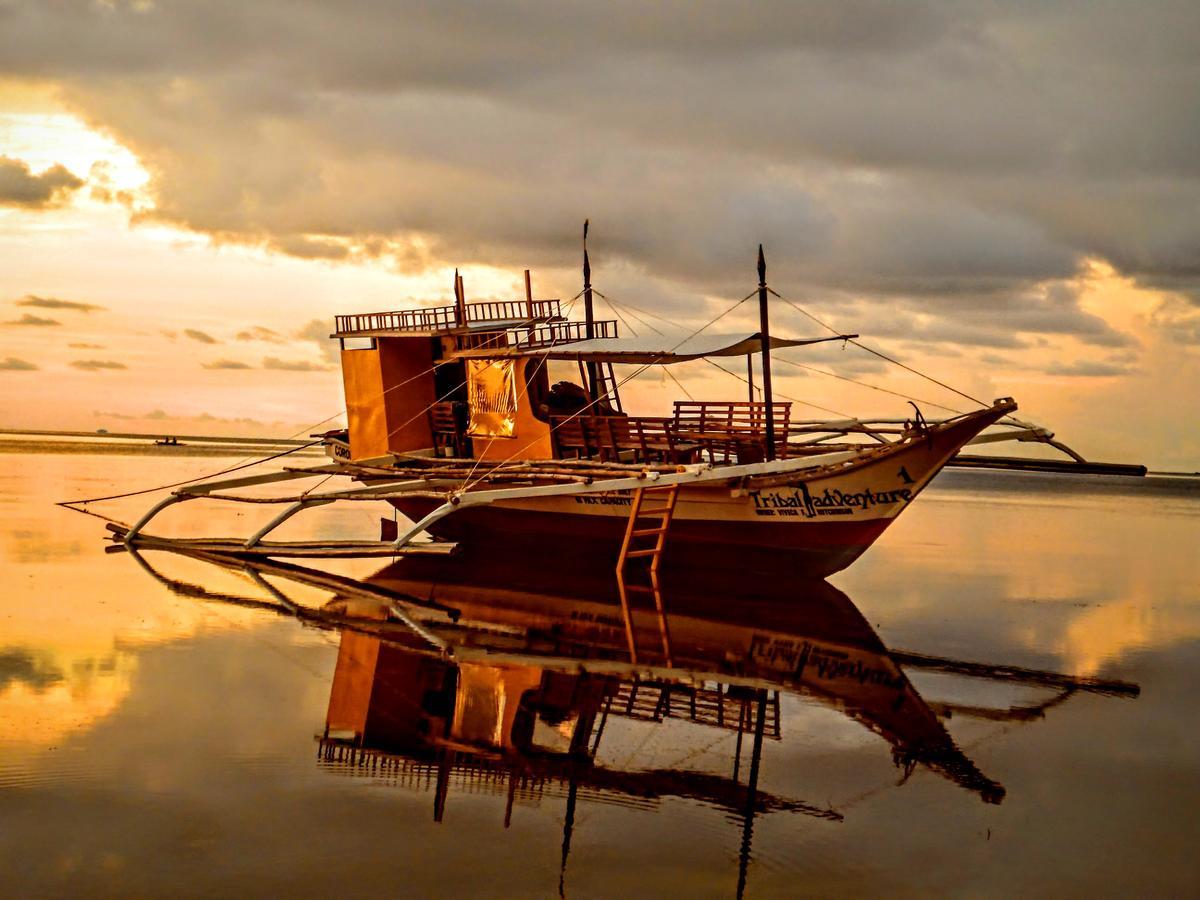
(800, 501)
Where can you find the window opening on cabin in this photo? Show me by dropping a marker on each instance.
(492, 395)
(537, 389)
(358, 343)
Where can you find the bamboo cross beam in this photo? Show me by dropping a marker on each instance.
(1016, 673)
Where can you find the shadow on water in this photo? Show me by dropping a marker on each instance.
(489, 672)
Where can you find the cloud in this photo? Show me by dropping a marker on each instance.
(292, 365)
(227, 364)
(82, 346)
(1178, 319)
(1088, 369)
(202, 337)
(318, 330)
(20, 187)
(261, 333)
(30, 319)
(25, 667)
(55, 303)
(96, 365)
(12, 364)
(888, 157)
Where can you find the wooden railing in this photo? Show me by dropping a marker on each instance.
(725, 432)
(444, 318)
(546, 334)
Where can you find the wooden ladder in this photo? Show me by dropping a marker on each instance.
(606, 385)
(654, 504)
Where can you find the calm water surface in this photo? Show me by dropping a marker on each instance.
(160, 735)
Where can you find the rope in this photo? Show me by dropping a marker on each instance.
(163, 487)
(624, 321)
(592, 403)
(635, 313)
(245, 462)
(651, 315)
(866, 385)
(678, 383)
(523, 392)
(882, 356)
(745, 380)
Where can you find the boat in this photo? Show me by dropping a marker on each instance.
(453, 419)
(167, 442)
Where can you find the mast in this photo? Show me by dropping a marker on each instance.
(528, 296)
(589, 317)
(764, 329)
(751, 795)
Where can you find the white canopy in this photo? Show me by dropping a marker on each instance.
(655, 349)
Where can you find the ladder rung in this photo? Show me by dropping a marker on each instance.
(641, 588)
(653, 511)
(645, 531)
(653, 552)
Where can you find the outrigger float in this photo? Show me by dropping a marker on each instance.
(453, 420)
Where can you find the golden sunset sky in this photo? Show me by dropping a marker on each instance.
(1007, 197)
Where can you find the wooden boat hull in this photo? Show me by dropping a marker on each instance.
(815, 521)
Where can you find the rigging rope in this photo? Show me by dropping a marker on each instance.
(627, 378)
(246, 462)
(745, 380)
(874, 352)
(163, 487)
(866, 385)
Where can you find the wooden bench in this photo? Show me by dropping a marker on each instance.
(620, 439)
(732, 430)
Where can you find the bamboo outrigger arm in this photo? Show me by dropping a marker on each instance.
(453, 494)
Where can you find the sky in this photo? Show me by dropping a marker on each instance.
(1006, 196)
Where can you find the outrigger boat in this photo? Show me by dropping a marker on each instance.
(453, 419)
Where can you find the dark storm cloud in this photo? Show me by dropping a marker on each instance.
(19, 186)
(946, 158)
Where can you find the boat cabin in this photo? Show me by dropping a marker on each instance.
(471, 381)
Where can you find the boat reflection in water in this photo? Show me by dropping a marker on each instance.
(487, 673)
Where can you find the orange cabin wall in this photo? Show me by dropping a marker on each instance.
(374, 413)
(353, 678)
(531, 437)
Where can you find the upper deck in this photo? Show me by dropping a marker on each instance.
(513, 324)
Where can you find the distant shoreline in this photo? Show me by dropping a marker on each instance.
(155, 436)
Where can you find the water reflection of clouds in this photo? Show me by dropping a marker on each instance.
(188, 733)
(26, 546)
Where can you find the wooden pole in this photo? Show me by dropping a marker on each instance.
(460, 301)
(750, 374)
(589, 315)
(528, 295)
(568, 827)
(764, 328)
(751, 795)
